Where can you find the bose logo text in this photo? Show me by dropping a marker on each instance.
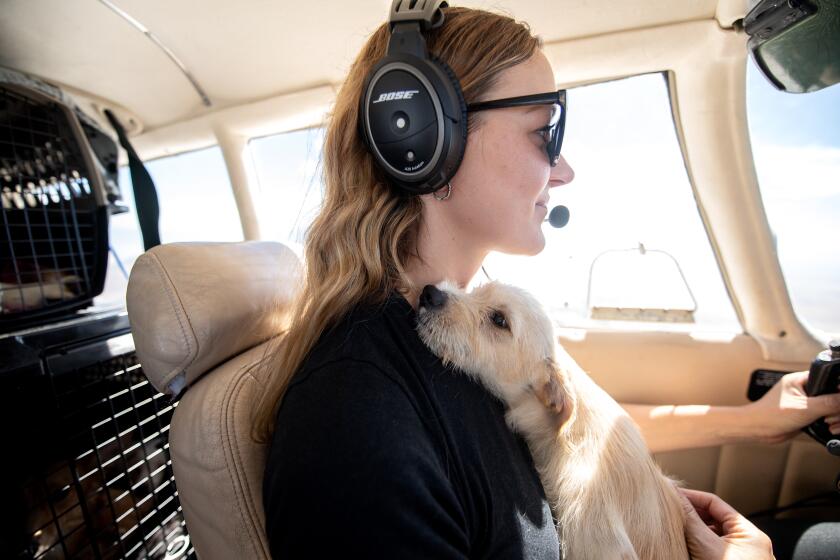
(391, 95)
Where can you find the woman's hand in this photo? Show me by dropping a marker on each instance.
(785, 409)
(714, 530)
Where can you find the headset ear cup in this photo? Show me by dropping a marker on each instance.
(360, 130)
(456, 85)
(460, 128)
(360, 121)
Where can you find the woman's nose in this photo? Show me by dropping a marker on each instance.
(561, 174)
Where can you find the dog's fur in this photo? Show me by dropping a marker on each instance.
(609, 498)
(52, 285)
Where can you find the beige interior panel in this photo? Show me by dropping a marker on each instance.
(241, 52)
(677, 368)
(669, 367)
(697, 468)
(751, 475)
(810, 470)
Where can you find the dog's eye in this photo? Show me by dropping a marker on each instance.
(499, 320)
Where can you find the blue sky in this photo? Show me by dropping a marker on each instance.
(792, 119)
(796, 147)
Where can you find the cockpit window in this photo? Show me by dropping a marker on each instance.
(290, 189)
(796, 147)
(635, 253)
(196, 204)
(196, 200)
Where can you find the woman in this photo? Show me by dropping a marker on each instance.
(377, 449)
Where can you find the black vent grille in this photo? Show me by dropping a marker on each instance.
(91, 461)
(54, 227)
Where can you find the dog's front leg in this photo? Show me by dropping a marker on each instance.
(607, 541)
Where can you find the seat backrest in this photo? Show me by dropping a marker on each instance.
(201, 315)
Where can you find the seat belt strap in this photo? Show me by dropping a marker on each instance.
(145, 195)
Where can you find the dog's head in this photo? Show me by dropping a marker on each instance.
(498, 333)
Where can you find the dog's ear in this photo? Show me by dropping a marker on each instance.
(550, 391)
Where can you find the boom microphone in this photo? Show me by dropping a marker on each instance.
(558, 217)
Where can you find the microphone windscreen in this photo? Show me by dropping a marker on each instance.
(559, 216)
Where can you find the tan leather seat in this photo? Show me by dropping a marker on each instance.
(201, 314)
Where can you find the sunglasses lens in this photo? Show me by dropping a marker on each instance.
(555, 134)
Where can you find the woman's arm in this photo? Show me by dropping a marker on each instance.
(776, 417)
(670, 427)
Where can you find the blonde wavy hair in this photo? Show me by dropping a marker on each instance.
(357, 248)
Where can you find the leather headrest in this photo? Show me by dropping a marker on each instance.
(193, 306)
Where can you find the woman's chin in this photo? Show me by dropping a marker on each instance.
(528, 247)
(538, 246)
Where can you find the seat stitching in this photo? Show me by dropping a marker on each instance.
(176, 304)
(241, 480)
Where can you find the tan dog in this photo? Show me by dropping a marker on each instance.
(609, 498)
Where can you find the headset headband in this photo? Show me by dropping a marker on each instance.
(427, 13)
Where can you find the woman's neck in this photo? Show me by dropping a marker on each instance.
(444, 257)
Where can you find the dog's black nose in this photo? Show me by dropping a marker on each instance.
(432, 298)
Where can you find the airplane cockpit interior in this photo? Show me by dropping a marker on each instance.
(197, 195)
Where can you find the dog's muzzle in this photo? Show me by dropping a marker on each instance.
(431, 298)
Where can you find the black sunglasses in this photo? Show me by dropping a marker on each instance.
(552, 132)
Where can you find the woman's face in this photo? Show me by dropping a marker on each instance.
(500, 192)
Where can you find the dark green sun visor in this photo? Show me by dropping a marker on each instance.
(796, 43)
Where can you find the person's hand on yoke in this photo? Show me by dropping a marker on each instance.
(785, 409)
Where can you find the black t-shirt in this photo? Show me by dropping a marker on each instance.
(382, 452)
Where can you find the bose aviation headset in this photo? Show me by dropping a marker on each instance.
(412, 114)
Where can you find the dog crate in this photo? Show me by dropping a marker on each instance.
(87, 471)
(55, 204)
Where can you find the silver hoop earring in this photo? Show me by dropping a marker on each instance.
(448, 192)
